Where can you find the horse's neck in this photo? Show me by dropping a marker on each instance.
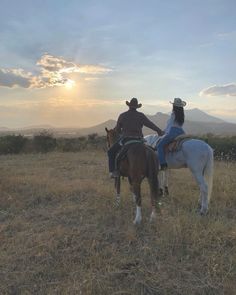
(152, 140)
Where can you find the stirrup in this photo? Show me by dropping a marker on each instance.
(163, 167)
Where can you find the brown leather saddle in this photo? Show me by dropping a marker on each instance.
(177, 143)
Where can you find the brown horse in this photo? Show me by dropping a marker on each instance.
(140, 162)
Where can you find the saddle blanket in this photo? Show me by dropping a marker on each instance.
(173, 146)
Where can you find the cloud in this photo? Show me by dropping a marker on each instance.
(15, 77)
(53, 71)
(227, 35)
(223, 90)
(52, 63)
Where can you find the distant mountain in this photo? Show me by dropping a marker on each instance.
(205, 124)
(208, 124)
(197, 123)
(200, 116)
(99, 129)
(2, 129)
(38, 127)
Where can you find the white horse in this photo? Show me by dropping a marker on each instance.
(195, 154)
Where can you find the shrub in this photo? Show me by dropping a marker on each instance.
(44, 142)
(12, 144)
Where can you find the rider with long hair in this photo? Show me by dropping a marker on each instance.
(173, 129)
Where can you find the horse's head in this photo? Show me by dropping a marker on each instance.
(112, 136)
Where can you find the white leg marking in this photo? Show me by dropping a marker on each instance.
(117, 200)
(153, 215)
(138, 217)
(134, 198)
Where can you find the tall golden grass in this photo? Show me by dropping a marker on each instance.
(60, 234)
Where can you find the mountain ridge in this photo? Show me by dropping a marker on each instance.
(206, 124)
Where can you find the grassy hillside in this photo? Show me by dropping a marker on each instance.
(61, 235)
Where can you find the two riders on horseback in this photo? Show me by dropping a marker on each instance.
(129, 127)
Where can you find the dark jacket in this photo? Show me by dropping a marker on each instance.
(130, 124)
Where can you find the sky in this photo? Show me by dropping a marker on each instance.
(74, 63)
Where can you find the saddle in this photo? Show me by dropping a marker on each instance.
(126, 144)
(174, 145)
(177, 143)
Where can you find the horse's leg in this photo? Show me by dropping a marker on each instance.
(131, 189)
(161, 177)
(154, 198)
(136, 188)
(117, 187)
(203, 191)
(166, 177)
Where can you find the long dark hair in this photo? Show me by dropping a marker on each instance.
(179, 114)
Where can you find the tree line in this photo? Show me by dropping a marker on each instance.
(43, 142)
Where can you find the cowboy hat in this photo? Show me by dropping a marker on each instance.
(178, 102)
(133, 103)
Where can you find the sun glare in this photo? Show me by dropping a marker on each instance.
(69, 84)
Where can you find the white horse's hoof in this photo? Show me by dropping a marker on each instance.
(202, 212)
(153, 217)
(137, 221)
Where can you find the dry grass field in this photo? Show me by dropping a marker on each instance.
(60, 233)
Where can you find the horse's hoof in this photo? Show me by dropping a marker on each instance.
(202, 212)
(153, 218)
(137, 221)
(116, 204)
(166, 191)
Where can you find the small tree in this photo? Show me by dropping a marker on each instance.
(12, 144)
(44, 142)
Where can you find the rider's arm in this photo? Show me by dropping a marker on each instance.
(149, 124)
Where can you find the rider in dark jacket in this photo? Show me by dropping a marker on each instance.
(129, 126)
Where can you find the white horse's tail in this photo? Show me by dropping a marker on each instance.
(208, 172)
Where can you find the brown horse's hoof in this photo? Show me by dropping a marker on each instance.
(166, 191)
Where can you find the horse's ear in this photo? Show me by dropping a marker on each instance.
(106, 129)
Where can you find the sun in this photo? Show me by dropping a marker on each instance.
(69, 84)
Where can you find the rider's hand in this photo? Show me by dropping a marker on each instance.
(160, 132)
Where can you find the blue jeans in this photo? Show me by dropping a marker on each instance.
(112, 152)
(114, 149)
(167, 138)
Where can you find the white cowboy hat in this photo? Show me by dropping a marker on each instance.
(178, 102)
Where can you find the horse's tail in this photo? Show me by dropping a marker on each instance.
(152, 171)
(208, 171)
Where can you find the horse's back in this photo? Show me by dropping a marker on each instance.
(197, 152)
(195, 146)
(140, 156)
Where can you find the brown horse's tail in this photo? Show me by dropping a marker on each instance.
(152, 172)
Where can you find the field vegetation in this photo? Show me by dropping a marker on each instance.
(60, 233)
(44, 141)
